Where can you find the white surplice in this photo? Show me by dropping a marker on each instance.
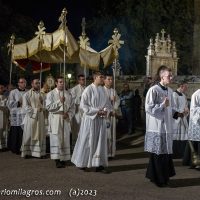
(59, 136)
(111, 123)
(159, 121)
(194, 122)
(34, 137)
(91, 146)
(17, 113)
(180, 124)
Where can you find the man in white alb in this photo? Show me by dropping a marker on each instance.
(91, 146)
(76, 95)
(34, 136)
(61, 109)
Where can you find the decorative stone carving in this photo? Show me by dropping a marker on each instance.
(161, 52)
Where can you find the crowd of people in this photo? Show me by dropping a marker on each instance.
(169, 125)
(81, 122)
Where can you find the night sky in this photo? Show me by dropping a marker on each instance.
(50, 10)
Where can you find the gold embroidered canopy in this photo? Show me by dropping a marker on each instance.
(48, 48)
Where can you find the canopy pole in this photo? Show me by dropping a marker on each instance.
(10, 50)
(40, 33)
(63, 21)
(116, 44)
(41, 67)
(114, 74)
(64, 72)
(10, 70)
(84, 42)
(113, 103)
(85, 74)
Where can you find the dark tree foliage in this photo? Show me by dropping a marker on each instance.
(138, 21)
(22, 27)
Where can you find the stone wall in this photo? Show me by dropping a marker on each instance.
(138, 82)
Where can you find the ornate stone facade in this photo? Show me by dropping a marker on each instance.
(161, 51)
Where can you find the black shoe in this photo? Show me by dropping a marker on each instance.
(63, 163)
(4, 150)
(99, 169)
(59, 164)
(85, 169)
(82, 168)
(105, 171)
(27, 157)
(102, 170)
(43, 157)
(162, 184)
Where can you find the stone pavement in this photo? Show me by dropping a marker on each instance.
(126, 180)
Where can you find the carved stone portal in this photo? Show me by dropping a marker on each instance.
(162, 51)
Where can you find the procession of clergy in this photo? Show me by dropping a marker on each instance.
(90, 113)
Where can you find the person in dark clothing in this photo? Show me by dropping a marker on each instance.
(137, 107)
(147, 85)
(126, 103)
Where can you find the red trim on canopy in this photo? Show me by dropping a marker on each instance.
(35, 65)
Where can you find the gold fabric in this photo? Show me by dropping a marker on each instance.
(20, 51)
(51, 50)
(89, 59)
(108, 55)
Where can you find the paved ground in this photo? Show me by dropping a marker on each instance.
(126, 181)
